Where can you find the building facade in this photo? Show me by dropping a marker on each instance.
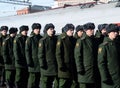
(61, 3)
(32, 9)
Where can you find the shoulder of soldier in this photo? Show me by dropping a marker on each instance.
(82, 38)
(5, 41)
(43, 38)
(55, 36)
(28, 39)
(18, 36)
(98, 34)
(7, 38)
(62, 36)
(31, 36)
(103, 44)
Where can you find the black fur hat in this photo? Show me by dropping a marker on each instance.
(13, 30)
(4, 28)
(47, 26)
(68, 26)
(89, 25)
(111, 28)
(102, 26)
(36, 26)
(24, 28)
(79, 27)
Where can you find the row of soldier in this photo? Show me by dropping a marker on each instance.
(84, 60)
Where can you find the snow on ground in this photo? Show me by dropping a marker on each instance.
(104, 13)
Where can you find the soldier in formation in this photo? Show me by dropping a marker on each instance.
(79, 32)
(63, 61)
(31, 51)
(101, 33)
(3, 36)
(85, 57)
(21, 77)
(108, 59)
(9, 59)
(65, 58)
(47, 58)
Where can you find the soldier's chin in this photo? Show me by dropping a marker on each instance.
(91, 34)
(71, 35)
(115, 37)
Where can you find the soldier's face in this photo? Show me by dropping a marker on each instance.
(103, 31)
(36, 31)
(70, 32)
(13, 34)
(80, 33)
(112, 35)
(4, 32)
(50, 31)
(89, 32)
(24, 33)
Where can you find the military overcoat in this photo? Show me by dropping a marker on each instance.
(65, 57)
(109, 63)
(31, 52)
(86, 59)
(19, 51)
(8, 55)
(46, 55)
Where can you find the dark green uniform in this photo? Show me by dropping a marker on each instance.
(99, 37)
(31, 51)
(21, 78)
(9, 61)
(2, 38)
(65, 59)
(109, 63)
(78, 28)
(86, 61)
(76, 36)
(2, 72)
(47, 59)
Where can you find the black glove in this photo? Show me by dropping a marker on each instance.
(44, 67)
(31, 65)
(108, 82)
(81, 72)
(8, 62)
(64, 69)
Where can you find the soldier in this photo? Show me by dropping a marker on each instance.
(101, 33)
(108, 59)
(65, 58)
(86, 57)
(9, 59)
(31, 51)
(119, 30)
(46, 55)
(3, 36)
(79, 31)
(21, 78)
(118, 34)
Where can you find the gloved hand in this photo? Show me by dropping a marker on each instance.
(64, 69)
(81, 72)
(31, 65)
(108, 82)
(44, 67)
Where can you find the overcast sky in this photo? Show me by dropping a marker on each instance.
(10, 9)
